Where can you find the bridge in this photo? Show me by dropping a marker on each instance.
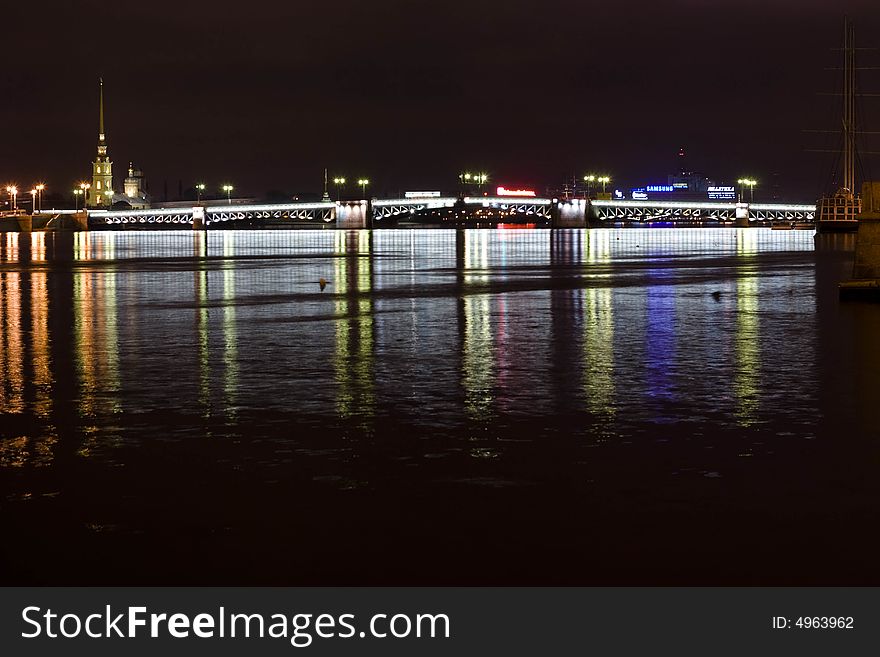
(658, 211)
(368, 213)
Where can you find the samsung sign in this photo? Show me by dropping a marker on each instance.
(659, 188)
(724, 192)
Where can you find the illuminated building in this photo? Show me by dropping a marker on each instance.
(135, 193)
(102, 167)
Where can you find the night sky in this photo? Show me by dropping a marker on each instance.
(264, 94)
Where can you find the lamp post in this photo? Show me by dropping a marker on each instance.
(339, 182)
(34, 201)
(13, 192)
(40, 187)
(85, 191)
(109, 194)
(200, 187)
(604, 180)
(76, 194)
(478, 179)
(228, 189)
(589, 179)
(750, 183)
(363, 182)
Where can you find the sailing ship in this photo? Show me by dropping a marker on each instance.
(838, 213)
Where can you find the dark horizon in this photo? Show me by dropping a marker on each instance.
(410, 96)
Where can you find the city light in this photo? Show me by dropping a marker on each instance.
(40, 187)
(12, 190)
(228, 189)
(750, 183)
(604, 180)
(363, 182)
(501, 191)
(200, 187)
(589, 179)
(339, 182)
(478, 179)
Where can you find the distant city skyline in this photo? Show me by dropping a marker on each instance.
(410, 97)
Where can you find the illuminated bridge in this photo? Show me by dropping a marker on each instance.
(655, 211)
(376, 212)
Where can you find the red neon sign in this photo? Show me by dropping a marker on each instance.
(501, 191)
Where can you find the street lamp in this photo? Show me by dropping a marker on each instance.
(589, 179)
(13, 192)
(363, 182)
(604, 180)
(40, 187)
(76, 194)
(750, 183)
(109, 194)
(85, 187)
(34, 201)
(339, 182)
(228, 189)
(200, 187)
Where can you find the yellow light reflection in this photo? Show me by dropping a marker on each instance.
(230, 326)
(747, 376)
(599, 388)
(11, 344)
(96, 336)
(355, 348)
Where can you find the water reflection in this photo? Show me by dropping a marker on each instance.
(355, 339)
(606, 328)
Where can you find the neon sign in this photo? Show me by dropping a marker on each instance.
(723, 192)
(659, 188)
(501, 191)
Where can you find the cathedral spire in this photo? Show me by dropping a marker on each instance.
(101, 109)
(101, 190)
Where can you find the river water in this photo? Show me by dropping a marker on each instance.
(634, 406)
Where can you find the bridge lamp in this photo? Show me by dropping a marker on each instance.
(363, 182)
(339, 182)
(40, 187)
(750, 183)
(34, 200)
(604, 180)
(200, 187)
(76, 194)
(589, 179)
(228, 189)
(13, 192)
(109, 194)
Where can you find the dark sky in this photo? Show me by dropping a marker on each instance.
(264, 94)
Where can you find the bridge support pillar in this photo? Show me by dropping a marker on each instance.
(25, 223)
(569, 213)
(79, 221)
(199, 220)
(354, 214)
(742, 215)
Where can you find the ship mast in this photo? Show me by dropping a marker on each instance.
(849, 107)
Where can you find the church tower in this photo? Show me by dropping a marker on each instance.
(102, 167)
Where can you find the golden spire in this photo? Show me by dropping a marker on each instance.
(101, 110)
